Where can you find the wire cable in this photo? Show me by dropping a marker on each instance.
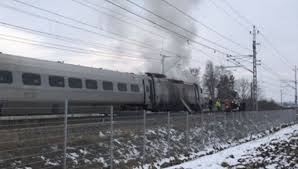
(68, 48)
(125, 39)
(165, 28)
(204, 25)
(276, 51)
(181, 27)
(55, 13)
(65, 38)
(245, 19)
(71, 19)
(228, 14)
(93, 7)
(86, 30)
(238, 13)
(69, 40)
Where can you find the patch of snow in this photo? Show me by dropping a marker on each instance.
(52, 163)
(73, 157)
(100, 160)
(49, 162)
(100, 134)
(216, 160)
(84, 152)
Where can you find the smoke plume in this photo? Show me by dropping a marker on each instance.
(175, 66)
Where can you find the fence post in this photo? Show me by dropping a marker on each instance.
(225, 124)
(266, 122)
(144, 139)
(240, 118)
(187, 131)
(112, 135)
(202, 126)
(65, 131)
(233, 115)
(169, 133)
(295, 114)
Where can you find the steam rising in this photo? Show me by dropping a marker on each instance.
(175, 66)
(180, 48)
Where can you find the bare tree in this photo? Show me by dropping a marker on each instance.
(222, 71)
(243, 87)
(210, 80)
(226, 87)
(196, 74)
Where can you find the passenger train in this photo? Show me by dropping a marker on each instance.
(27, 83)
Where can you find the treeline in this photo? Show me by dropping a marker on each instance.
(220, 83)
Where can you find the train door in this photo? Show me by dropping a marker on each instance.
(147, 93)
(198, 94)
(152, 92)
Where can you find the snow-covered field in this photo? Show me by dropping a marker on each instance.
(277, 150)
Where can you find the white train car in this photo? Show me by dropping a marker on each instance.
(169, 93)
(27, 82)
(33, 86)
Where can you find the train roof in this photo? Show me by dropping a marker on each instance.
(60, 67)
(177, 81)
(157, 75)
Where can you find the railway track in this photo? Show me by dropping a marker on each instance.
(31, 121)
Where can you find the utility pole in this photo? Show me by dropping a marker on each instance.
(163, 63)
(255, 73)
(295, 86)
(281, 97)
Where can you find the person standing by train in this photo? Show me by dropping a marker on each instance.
(210, 105)
(218, 105)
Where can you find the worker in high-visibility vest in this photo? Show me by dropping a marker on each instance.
(218, 105)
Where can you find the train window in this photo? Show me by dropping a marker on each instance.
(134, 88)
(31, 79)
(5, 77)
(122, 87)
(75, 83)
(107, 85)
(56, 81)
(91, 84)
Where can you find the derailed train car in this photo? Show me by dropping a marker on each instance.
(26, 84)
(167, 94)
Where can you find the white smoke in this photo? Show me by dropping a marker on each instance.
(175, 66)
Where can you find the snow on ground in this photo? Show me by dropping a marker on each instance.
(278, 150)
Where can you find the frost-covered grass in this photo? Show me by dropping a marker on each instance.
(277, 150)
(89, 144)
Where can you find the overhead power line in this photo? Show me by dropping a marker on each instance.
(93, 7)
(179, 26)
(69, 40)
(167, 29)
(238, 13)
(273, 73)
(96, 7)
(246, 20)
(69, 48)
(123, 39)
(62, 38)
(204, 25)
(79, 50)
(276, 51)
(229, 15)
(134, 42)
(56, 14)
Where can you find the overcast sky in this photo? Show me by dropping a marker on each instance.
(102, 35)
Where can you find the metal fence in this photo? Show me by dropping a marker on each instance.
(109, 139)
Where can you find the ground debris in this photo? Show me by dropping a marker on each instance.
(275, 154)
